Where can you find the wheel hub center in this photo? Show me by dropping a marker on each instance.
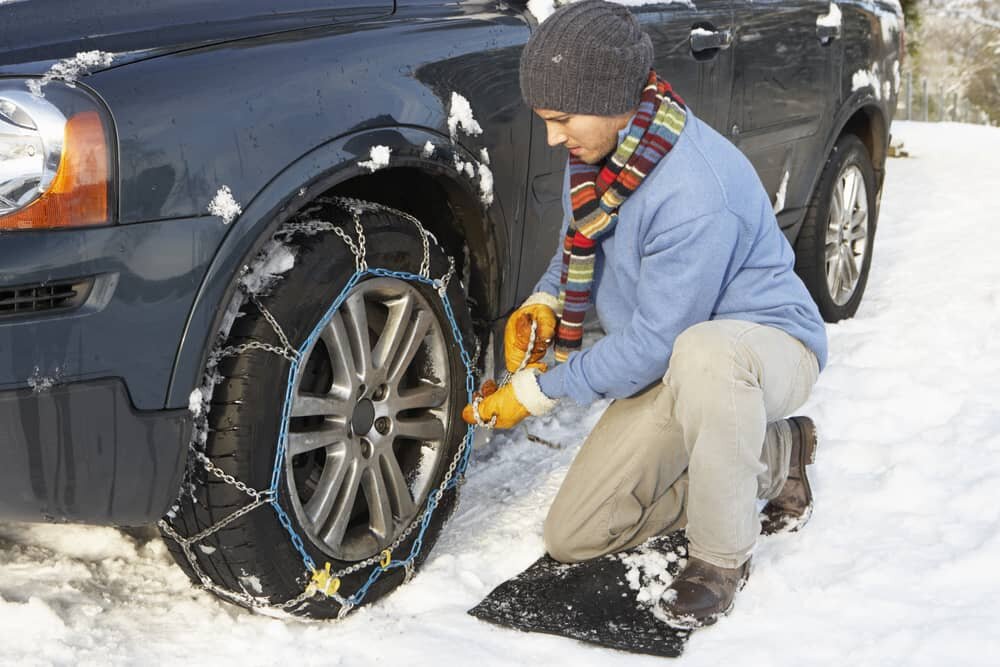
(363, 417)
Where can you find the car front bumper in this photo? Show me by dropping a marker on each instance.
(80, 452)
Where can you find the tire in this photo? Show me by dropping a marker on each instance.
(824, 248)
(254, 555)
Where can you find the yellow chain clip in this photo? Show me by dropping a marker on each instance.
(323, 582)
(386, 558)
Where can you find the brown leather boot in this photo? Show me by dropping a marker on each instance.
(701, 593)
(791, 509)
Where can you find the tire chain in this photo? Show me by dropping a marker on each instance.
(288, 352)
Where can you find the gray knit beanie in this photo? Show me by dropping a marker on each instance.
(588, 57)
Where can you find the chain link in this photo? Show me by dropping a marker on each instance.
(275, 326)
(227, 478)
(236, 350)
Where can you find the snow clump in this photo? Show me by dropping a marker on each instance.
(194, 402)
(485, 184)
(428, 150)
(864, 78)
(70, 69)
(461, 117)
(275, 258)
(779, 199)
(466, 168)
(648, 573)
(831, 19)
(379, 158)
(224, 206)
(41, 383)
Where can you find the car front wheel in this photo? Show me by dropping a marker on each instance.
(373, 429)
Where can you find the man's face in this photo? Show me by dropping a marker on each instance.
(590, 138)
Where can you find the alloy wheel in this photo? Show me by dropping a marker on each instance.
(370, 412)
(846, 235)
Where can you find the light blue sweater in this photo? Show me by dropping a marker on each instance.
(696, 241)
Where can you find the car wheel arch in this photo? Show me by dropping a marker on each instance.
(334, 168)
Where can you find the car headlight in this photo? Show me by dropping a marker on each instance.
(55, 158)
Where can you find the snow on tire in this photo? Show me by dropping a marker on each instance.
(375, 419)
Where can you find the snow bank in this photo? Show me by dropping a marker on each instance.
(70, 69)
(224, 206)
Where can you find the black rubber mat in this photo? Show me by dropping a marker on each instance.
(607, 601)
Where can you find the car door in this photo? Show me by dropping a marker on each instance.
(783, 95)
(691, 43)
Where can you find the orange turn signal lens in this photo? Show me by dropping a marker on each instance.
(78, 195)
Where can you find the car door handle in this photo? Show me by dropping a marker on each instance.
(827, 33)
(703, 39)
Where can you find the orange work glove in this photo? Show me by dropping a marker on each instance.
(512, 402)
(539, 307)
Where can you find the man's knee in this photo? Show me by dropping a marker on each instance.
(562, 540)
(704, 353)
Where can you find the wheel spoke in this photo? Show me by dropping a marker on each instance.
(832, 234)
(859, 224)
(379, 506)
(356, 324)
(850, 194)
(832, 263)
(837, 206)
(852, 270)
(414, 336)
(330, 483)
(337, 519)
(838, 278)
(399, 490)
(338, 348)
(420, 428)
(424, 396)
(308, 405)
(397, 325)
(331, 433)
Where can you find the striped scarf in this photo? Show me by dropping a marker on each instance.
(597, 192)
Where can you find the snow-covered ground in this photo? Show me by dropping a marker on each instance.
(897, 567)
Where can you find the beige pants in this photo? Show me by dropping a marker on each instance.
(694, 450)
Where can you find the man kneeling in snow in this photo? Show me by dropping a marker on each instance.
(711, 337)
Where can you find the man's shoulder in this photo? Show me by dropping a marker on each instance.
(685, 181)
(703, 173)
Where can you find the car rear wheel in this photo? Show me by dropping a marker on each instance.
(375, 420)
(834, 248)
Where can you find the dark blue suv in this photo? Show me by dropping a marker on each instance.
(180, 186)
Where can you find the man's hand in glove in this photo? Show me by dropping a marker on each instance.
(539, 307)
(512, 402)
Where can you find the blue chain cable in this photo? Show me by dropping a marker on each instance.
(435, 495)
